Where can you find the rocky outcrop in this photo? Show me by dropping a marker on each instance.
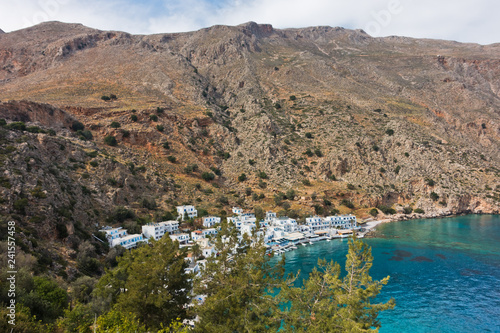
(41, 114)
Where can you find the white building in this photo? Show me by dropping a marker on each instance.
(315, 223)
(181, 238)
(247, 229)
(270, 217)
(288, 224)
(157, 230)
(119, 236)
(128, 241)
(197, 234)
(237, 210)
(242, 219)
(113, 233)
(208, 251)
(188, 211)
(210, 221)
(209, 232)
(343, 221)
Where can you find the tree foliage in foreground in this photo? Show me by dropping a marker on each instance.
(238, 285)
(149, 283)
(242, 293)
(328, 303)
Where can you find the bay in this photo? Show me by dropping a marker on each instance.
(445, 273)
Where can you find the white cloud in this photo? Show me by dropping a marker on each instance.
(464, 21)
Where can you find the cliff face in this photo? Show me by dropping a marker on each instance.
(332, 113)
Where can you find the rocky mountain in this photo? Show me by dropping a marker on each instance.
(348, 121)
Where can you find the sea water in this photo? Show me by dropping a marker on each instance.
(444, 273)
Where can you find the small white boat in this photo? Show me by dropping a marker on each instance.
(304, 244)
(293, 247)
(328, 239)
(311, 243)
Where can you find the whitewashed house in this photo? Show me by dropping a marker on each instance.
(343, 221)
(113, 233)
(288, 224)
(237, 210)
(210, 221)
(315, 223)
(181, 238)
(188, 211)
(197, 234)
(247, 229)
(270, 217)
(128, 241)
(157, 230)
(209, 232)
(208, 251)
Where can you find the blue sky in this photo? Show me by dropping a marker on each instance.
(461, 20)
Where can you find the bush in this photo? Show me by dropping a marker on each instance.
(207, 176)
(350, 187)
(160, 128)
(389, 132)
(153, 117)
(2, 122)
(407, 155)
(262, 175)
(382, 170)
(105, 98)
(133, 117)
(251, 162)
(113, 96)
(374, 212)
(149, 203)
(375, 148)
(125, 133)
(318, 153)
(85, 135)
(290, 194)
(387, 210)
(94, 163)
(309, 135)
(110, 140)
(434, 196)
(293, 98)
(216, 171)
(115, 124)
(430, 182)
(347, 203)
(20, 205)
(419, 211)
(223, 200)
(308, 152)
(121, 214)
(397, 169)
(18, 126)
(306, 182)
(407, 210)
(171, 159)
(166, 145)
(242, 177)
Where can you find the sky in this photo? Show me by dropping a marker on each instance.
(461, 20)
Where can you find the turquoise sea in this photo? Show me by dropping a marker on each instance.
(445, 273)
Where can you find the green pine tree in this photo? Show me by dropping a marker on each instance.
(328, 303)
(149, 283)
(238, 285)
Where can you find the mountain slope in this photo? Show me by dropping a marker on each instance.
(332, 113)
